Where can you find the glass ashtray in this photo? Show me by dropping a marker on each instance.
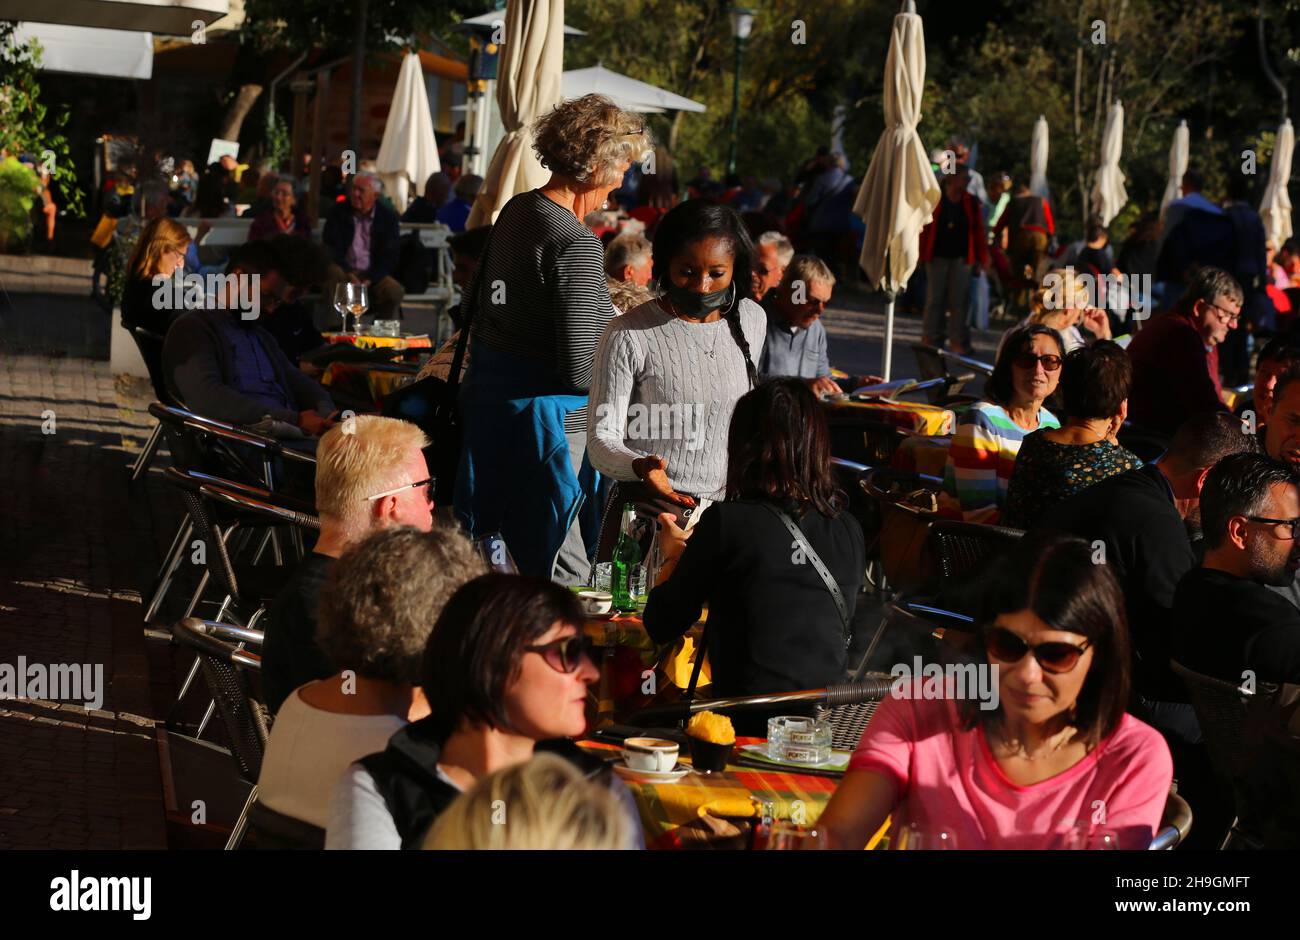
(798, 739)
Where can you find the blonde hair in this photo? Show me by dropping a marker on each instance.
(381, 600)
(159, 237)
(807, 268)
(358, 458)
(628, 295)
(587, 139)
(544, 803)
(1062, 289)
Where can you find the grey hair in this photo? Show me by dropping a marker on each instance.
(379, 603)
(784, 247)
(625, 250)
(372, 177)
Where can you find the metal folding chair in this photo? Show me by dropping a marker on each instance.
(225, 663)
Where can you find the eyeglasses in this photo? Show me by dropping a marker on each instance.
(1291, 524)
(565, 654)
(428, 493)
(1028, 360)
(1227, 316)
(1056, 658)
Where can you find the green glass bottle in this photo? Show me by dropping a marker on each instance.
(627, 555)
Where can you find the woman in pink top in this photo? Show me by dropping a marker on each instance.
(1054, 750)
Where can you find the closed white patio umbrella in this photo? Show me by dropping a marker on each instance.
(1108, 192)
(1275, 207)
(408, 153)
(1038, 159)
(528, 85)
(900, 191)
(1177, 166)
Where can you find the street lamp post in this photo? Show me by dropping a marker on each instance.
(742, 21)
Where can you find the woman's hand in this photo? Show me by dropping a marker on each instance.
(652, 471)
(1097, 322)
(672, 542)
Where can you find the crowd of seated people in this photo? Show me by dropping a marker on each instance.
(411, 689)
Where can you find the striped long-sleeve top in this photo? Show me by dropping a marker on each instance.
(542, 293)
(981, 458)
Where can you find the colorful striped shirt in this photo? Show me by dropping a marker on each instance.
(981, 458)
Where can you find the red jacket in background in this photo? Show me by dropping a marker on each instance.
(977, 247)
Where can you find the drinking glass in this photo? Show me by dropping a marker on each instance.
(601, 574)
(492, 549)
(350, 298)
(786, 836)
(917, 838)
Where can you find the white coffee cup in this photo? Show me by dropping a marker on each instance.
(654, 755)
(596, 602)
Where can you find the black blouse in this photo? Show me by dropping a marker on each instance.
(773, 626)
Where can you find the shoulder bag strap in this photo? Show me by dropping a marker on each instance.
(469, 302)
(827, 578)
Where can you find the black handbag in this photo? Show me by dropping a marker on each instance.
(432, 405)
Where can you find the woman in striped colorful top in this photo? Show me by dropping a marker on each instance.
(985, 445)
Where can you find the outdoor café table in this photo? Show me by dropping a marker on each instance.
(367, 379)
(917, 417)
(922, 454)
(366, 341)
(627, 654)
(700, 807)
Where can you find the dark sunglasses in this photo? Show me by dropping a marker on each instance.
(1007, 647)
(1028, 360)
(564, 655)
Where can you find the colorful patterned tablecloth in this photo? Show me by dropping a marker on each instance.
(921, 454)
(355, 377)
(365, 341)
(704, 808)
(917, 417)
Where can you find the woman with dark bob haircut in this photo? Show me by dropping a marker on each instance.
(774, 623)
(1029, 747)
(985, 444)
(506, 668)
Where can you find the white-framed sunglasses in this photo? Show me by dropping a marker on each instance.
(428, 493)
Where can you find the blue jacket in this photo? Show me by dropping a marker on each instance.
(384, 236)
(515, 475)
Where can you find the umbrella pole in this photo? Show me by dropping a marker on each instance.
(889, 337)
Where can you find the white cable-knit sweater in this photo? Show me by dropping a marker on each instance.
(666, 386)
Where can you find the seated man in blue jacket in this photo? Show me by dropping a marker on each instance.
(362, 236)
(222, 363)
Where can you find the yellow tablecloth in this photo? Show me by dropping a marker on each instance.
(917, 417)
(380, 382)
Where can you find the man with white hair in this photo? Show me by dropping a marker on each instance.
(627, 258)
(370, 474)
(796, 339)
(772, 252)
(363, 236)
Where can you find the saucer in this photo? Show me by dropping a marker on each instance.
(651, 776)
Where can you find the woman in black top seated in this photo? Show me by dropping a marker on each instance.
(774, 625)
(1055, 463)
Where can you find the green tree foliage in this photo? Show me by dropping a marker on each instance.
(27, 125)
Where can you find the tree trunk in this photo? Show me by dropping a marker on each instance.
(245, 98)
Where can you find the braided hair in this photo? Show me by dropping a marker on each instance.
(698, 219)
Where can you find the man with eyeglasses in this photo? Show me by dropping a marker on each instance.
(796, 343)
(370, 474)
(1228, 624)
(1176, 357)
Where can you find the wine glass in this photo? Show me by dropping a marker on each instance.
(360, 304)
(786, 836)
(492, 549)
(915, 838)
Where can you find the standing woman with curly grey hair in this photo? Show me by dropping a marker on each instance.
(539, 304)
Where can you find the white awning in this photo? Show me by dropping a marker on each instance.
(167, 17)
(487, 19)
(628, 93)
(115, 53)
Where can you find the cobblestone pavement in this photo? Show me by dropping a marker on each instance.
(74, 550)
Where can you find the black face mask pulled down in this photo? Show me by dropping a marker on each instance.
(698, 306)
